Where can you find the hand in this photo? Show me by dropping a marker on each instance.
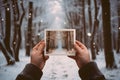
(37, 55)
(82, 56)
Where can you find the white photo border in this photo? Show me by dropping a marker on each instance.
(74, 33)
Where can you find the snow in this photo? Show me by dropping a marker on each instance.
(109, 74)
(11, 71)
(57, 68)
(60, 68)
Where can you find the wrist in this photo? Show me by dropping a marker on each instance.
(83, 63)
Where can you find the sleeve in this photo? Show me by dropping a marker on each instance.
(91, 72)
(30, 72)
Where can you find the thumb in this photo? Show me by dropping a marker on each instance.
(46, 58)
(77, 48)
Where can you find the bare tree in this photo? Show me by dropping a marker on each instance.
(1, 24)
(5, 42)
(95, 25)
(89, 13)
(10, 60)
(118, 39)
(18, 19)
(48, 40)
(109, 55)
(7, 39)
(29, 31)
(83, 21)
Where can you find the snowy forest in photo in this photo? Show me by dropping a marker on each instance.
(62, 39)
(22, 25)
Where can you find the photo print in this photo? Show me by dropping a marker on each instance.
(60, 42)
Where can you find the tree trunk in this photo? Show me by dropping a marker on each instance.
(17, 27)
(1, 25)
(19, 31)
(118, 39)
(29, 32)
(10, 60)
(109, 55)
(14, 43)
(8, 30)
(83, 20)
(5, 43)
(96, 22)
(48, 40)
(89, 13)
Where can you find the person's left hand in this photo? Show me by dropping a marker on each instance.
(37, 55)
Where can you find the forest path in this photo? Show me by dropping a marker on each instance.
(55, 11)
(56, 68)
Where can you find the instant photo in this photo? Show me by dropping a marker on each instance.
(60, 42)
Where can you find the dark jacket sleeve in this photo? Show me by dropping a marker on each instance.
(91, 72)
(30, 72)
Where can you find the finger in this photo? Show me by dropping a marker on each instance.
(37, 45)
(46, 57)
(41, 49)
(77, 48)
(41, 46)
(80, 44)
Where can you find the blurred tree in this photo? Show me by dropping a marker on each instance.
(95, 25)
(48, 40)
(18, 19)
(10, 60)
(90, 16)
(118, 39)
(7, 38)
(1, 24)
(29, 30)
(109, 55)
(83, 21)
(5, 42)
(67, 43)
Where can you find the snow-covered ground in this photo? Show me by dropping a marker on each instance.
(56, 68)
(109, 74)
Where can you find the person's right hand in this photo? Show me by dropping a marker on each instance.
(82, 56)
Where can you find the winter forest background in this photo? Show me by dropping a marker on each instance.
(22, 24)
